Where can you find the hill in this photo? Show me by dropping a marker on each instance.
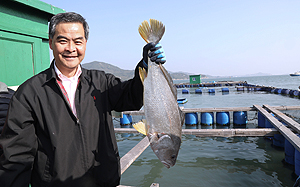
(108, 68)
(124, 74)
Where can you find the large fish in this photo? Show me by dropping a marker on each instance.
(164, 119)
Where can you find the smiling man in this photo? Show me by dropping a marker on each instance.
(59, 129)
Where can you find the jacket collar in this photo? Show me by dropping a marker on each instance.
(52, 75)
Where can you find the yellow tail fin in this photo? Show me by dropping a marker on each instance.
(141, 127)
(152, 32)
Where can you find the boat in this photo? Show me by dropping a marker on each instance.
(182, 101)
(295, 74)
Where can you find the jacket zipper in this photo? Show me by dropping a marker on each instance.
(84, 154)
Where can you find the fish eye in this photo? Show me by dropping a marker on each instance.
(173, 156)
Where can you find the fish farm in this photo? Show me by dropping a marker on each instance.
(239, 85)
(272, 123)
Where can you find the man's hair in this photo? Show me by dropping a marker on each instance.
(68, 17)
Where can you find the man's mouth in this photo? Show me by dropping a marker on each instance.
(69, 57)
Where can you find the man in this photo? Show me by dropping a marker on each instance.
(5, 96)
(59, 130)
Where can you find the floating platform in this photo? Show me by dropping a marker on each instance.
(212, 84)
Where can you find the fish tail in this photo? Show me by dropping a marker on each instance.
(141, 127)
(152, 32)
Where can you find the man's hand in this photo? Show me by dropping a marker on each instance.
(156, 53)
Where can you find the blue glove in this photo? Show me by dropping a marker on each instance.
(156, 54)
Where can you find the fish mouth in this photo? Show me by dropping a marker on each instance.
(166, 164)
(164, 137)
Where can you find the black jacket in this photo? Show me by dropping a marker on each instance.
(46, 145)
(5, 97)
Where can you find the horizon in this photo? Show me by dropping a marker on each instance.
(207, 75)
(218, 38)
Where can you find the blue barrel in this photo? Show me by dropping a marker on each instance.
(126, 120)
(285, 91)
(191, 119)
(250, 88)
(268, 123)
(294, 93)
(258, 89)
(279, 140)
(207, 118)
(185, 91)
(240, 118)
(225, 89)
(222, 118)
(211, 91)
(198, 91)
(278, 91)
(261, 120)
(297, 162)
(289, 151)
(272, 90)
(240, 88)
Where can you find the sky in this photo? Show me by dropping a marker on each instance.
(211, 37)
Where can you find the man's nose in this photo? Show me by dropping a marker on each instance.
(71, 47)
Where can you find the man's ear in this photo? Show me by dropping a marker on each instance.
(50, 43)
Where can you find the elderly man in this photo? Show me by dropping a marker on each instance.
(59, 130)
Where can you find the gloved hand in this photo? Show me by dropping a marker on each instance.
(156, 53)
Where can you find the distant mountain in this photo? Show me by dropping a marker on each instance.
(108, 68)
(255, 75)
(126, 74)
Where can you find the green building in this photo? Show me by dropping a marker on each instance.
(195, 79)
(24, 44)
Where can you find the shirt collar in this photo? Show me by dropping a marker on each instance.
(62, 76)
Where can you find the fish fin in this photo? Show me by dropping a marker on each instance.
(152, 32)
(143, 74)
(141, 127)
(169, 80)
(182, 116)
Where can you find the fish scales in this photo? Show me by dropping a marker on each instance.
(161, 108)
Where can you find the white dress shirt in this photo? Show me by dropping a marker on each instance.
(70, 85)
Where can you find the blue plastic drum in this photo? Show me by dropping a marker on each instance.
(191, 119)
(126, 120)
(261, 120)
(222, 118)
(225, 89)
(185, 91)
(278, 140)
(289, 151)
(297, 161)
(198, 91)
(207, 118)
(240, 118)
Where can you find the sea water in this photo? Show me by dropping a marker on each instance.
(218, 161)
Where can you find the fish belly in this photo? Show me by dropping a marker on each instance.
(160, 105)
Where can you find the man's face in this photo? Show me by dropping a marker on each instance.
(68, 45)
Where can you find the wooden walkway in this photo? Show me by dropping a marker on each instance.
(227, 109)
(288, 131)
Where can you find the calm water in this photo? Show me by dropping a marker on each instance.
(210, 162)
